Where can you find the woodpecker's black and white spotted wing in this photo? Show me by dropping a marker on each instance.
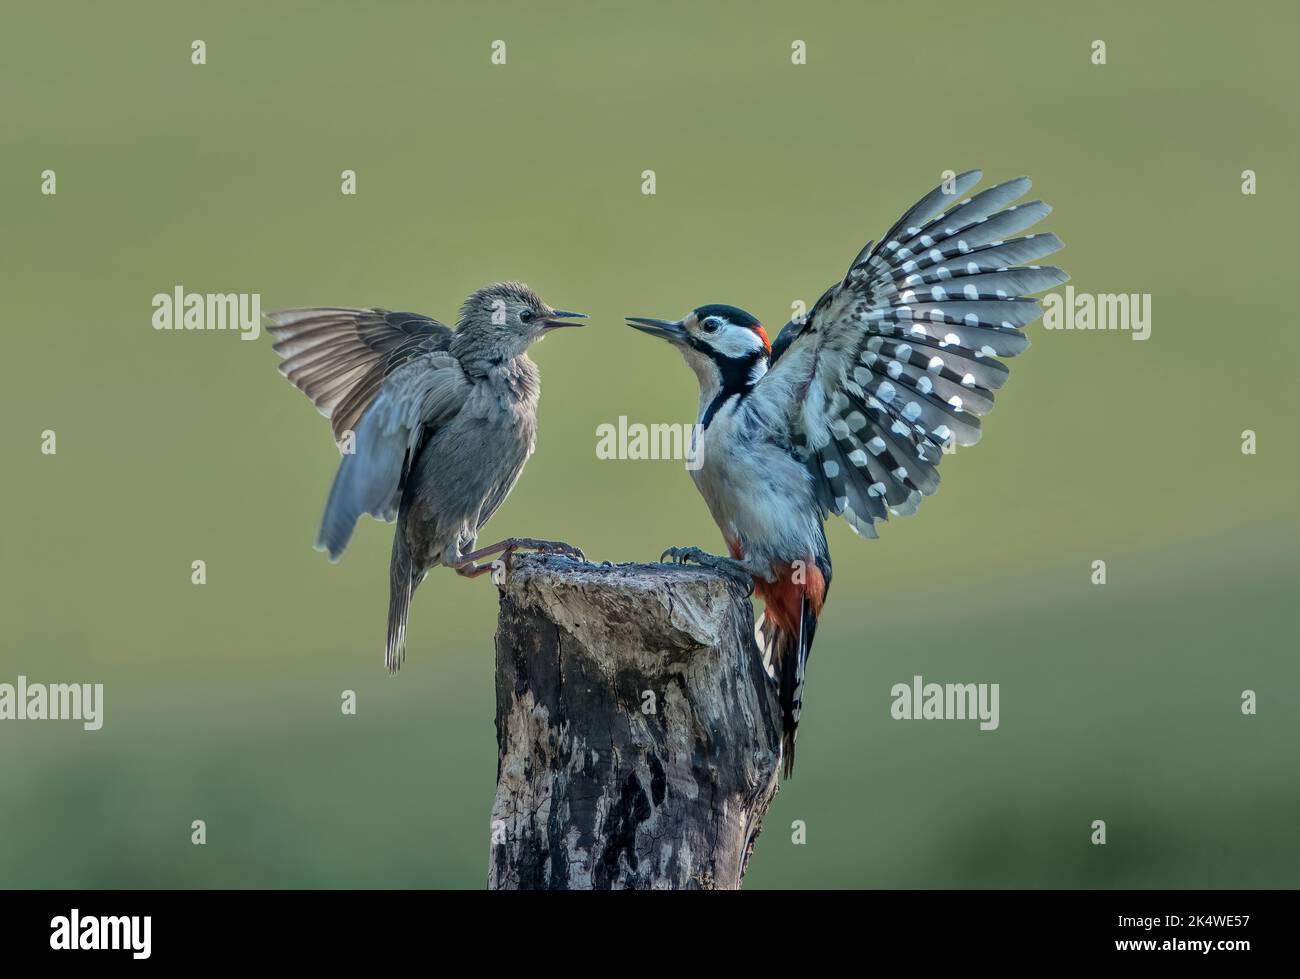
(900, 359)
(340, 357)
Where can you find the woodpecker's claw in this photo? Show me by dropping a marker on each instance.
(730, 567)
(680, 555)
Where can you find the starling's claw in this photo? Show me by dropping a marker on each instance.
(549, 547)
(510, 545)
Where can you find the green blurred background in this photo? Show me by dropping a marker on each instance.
(222, 702)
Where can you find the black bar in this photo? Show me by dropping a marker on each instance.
(210, 928)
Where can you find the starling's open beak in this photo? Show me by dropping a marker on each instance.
(670, 330)
(557, 318)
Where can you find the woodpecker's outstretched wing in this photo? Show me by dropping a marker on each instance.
(898, 360)
(419, 397)
(340, 357)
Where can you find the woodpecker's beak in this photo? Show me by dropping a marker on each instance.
(670, 330)
(557, 318)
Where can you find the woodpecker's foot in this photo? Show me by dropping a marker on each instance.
(730, 567)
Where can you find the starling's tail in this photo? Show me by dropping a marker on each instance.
(401, 583)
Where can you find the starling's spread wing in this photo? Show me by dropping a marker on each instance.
(417, 398)
(897, 361)
(340, 357)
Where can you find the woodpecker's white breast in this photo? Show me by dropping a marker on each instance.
(761, 497)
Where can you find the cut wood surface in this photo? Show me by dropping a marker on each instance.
(636, 727)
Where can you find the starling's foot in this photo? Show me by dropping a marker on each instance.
(508, 546)
(469, 569)
(545, 547)
(730, 567)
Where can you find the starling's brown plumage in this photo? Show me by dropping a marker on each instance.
(435, 424)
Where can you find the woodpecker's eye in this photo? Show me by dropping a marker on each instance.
(525, 315)
(711, 324)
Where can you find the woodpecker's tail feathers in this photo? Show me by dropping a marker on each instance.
(790, 652)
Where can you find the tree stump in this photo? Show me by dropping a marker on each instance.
(636, 727)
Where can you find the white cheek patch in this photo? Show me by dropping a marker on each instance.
(734, 341)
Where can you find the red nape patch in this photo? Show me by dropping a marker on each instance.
(762, 335)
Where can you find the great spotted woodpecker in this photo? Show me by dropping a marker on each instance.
(849, 412)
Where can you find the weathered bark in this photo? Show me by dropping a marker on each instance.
(636, 727)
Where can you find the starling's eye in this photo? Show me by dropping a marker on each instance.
(525, 315)
(710, 324)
